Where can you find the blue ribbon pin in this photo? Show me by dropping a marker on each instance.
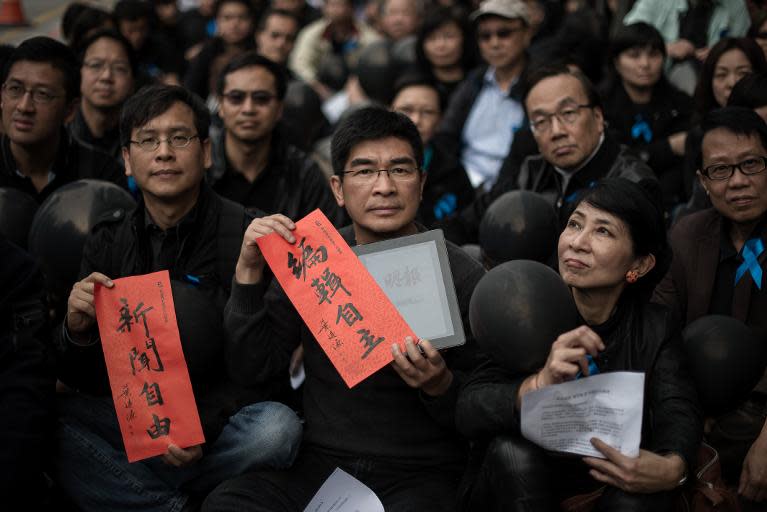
(750, 252)
(641, 129)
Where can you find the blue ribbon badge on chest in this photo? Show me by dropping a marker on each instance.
(750, 253)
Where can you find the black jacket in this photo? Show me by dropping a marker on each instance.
(537, 175)
(109, 144)
(73, 162)
(448, 189)
(122, 248)
(449, 133)
(26, 379)
(642, 339)
(380, 417)
(291, 184)
(669, 112)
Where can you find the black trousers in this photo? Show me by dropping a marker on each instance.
(519, 476)
(400, 488)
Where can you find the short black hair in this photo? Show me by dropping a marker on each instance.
(117, 37)
(71, 13)
(371, 123)
(545, 71)
(750, 91)
(5, 52)
(245, 3)
(46, 50)
(131, 10)
(154, 100)
(738, 120)
(251, 59)
(276, 12)
(642, 212)
(418, 79)
(635, 35)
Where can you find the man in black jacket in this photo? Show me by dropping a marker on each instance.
(180, 225)
(568, 125)
(39, 96)
(486, 110)
(253, 164)
(395, 431)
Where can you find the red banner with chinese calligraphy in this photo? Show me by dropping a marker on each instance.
(147, 371)
(340, 302)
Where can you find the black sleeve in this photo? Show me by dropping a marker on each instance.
(26, 377)
(78, 366)
(462, 360)
(262, 329)
(675, 416)
(198, 71)
(487, 402)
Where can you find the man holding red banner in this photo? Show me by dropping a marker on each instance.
(394, 431)
(182, 226)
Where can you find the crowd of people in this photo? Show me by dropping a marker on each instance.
(639, 125)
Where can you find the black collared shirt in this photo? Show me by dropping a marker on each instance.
(164, 245)
(729, 261)
(73, 162)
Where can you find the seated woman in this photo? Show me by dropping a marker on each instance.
(643, 109)
(612, 253)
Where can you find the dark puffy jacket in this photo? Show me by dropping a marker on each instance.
(642, 339)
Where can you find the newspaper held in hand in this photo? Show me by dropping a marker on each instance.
(341, 492)
(564, 417)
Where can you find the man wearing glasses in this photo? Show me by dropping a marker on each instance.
(182, 226)
(566, 119)
(395, 431)
(108, 77)
(719, 268)
(253, 164)
(486, 109)
(39, 96)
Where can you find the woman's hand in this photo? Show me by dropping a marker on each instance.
(568, 356)
(645, 474)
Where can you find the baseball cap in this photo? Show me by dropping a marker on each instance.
(511, 9)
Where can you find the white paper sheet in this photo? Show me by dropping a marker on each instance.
(341, 492)
(564, 417)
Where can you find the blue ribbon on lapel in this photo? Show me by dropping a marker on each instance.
(750, 254)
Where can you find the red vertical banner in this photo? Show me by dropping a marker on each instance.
(147, 371)
(347, 312)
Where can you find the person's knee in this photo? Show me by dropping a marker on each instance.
(247, 493)
(275, 433)
(512, 457)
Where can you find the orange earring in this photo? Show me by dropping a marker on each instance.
(632, 276)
